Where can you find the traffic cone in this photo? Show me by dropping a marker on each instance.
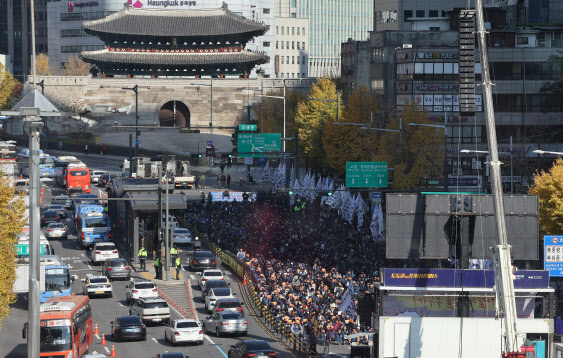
(21, 176)
(244, 280)
(96, 329)
(103, 340)
(113, 351)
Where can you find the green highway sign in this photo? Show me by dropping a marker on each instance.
(366, 174)
(23, 249)
(259, 145)
(247, 127)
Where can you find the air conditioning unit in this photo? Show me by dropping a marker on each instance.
(407, 45)
(457, 172)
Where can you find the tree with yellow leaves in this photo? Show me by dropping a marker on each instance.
(549, 187)
(312, 116)
(76, 67)
(415, 154)
(7, 85)
(347, 142)
(12, 208)
(42, 66)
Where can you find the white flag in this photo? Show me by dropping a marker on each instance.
(381, 229)
(374, 223)
(347, 305)
(266, 176)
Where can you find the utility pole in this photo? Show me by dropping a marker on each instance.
(167, 234)
(159, 246)
(503, 264)
(34, 302)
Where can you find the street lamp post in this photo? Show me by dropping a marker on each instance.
(445, 128)
(136, 90)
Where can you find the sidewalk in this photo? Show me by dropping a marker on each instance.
(150, 274)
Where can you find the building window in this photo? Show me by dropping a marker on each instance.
(304, 61)
(63, 65)
(407, 14)
(281, 60)
(387, 17)
(298, 57)
(282, 45)
(303, 31)
(283, 30)
(277, 45)
(266, 11)
(287, 59)
(499, 41)
(432, 13)
(522, 40)
(73, 33)
(293, 75)
(298, 45)
(79, 48)
(303, 46)
(292, 45)
(293, 31)
(298, 31)
(287, 44)
(281, 75)
(293, 15)
(287, 30)
(437, 28)
(419, 13)
(293, 60)
(293, 3)
(303, 75)
(277, 30)
(266, 44)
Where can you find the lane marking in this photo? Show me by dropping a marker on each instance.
(98, 337)
(90, 267)
(154, 339)
(107, 349)
(216, 346)
(121, 304)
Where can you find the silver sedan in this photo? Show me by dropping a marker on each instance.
(184, 330)
(56, 230)
(225, 323)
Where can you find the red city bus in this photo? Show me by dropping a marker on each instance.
(66, 327)
(78, 177)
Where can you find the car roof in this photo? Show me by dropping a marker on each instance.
(152, 299)
(221, 289)
(206, 271)
(91, 277)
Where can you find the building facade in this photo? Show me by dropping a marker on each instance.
(188, 43)
(421, 66)
(331, 22)
(291, 48)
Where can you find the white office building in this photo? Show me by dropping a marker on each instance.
(331, 22)
(291, 48)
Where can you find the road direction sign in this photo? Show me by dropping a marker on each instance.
(138, 142)
(553, 255)
(210, 143)
(23, 249)
(259, 145)
(366, 174)
(247, 127)
(209, 152)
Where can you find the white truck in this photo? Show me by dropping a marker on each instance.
(21, 284)
(184, 179)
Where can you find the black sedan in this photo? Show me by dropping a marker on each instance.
(104, 179)
(128, 327)
(212, 284)
(49, 216)
(251, 348)
(201, 260)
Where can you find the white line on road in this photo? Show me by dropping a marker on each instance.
(90, 267)
(106, 348)
(97, 336)
(154, 339)
(216, 346)
(121, 304)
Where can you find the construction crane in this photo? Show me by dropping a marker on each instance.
(504, 276)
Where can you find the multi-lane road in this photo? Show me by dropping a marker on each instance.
(106, 309)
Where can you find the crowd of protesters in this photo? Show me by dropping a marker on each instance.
(301, 262)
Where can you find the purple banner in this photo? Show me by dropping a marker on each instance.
(460, 278)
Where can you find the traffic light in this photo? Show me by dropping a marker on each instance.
(291, 192)
(329, 193)
(230, 155)
(199, 155)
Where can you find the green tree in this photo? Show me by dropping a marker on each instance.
(549, 187)
(349, 143)
(76, 67)
(311, 118)
(11, 223)
(273, 113)
(7, 86)
(415, 154)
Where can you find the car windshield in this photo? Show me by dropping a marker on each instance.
(116, 263)
(98, 173)
(229, 304)
(187, 325)
(231, 316)
(54, 339)
(222, 291)
(181, 232)
(130, 321)
(258, 346)
(47, 162)
(144, 286)
(57, 282)
(106, 247)
(56, 226)
(49, 214)
(61, 201)
(96, 222)
(213, 274)
(156, 305)
(203, 255)
(56, 207)
(99, 280)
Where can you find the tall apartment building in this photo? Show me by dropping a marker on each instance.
(67, 38)
(292, 45)
(420, 65)
(331, 22)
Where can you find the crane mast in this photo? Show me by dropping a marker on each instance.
(504, 277)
